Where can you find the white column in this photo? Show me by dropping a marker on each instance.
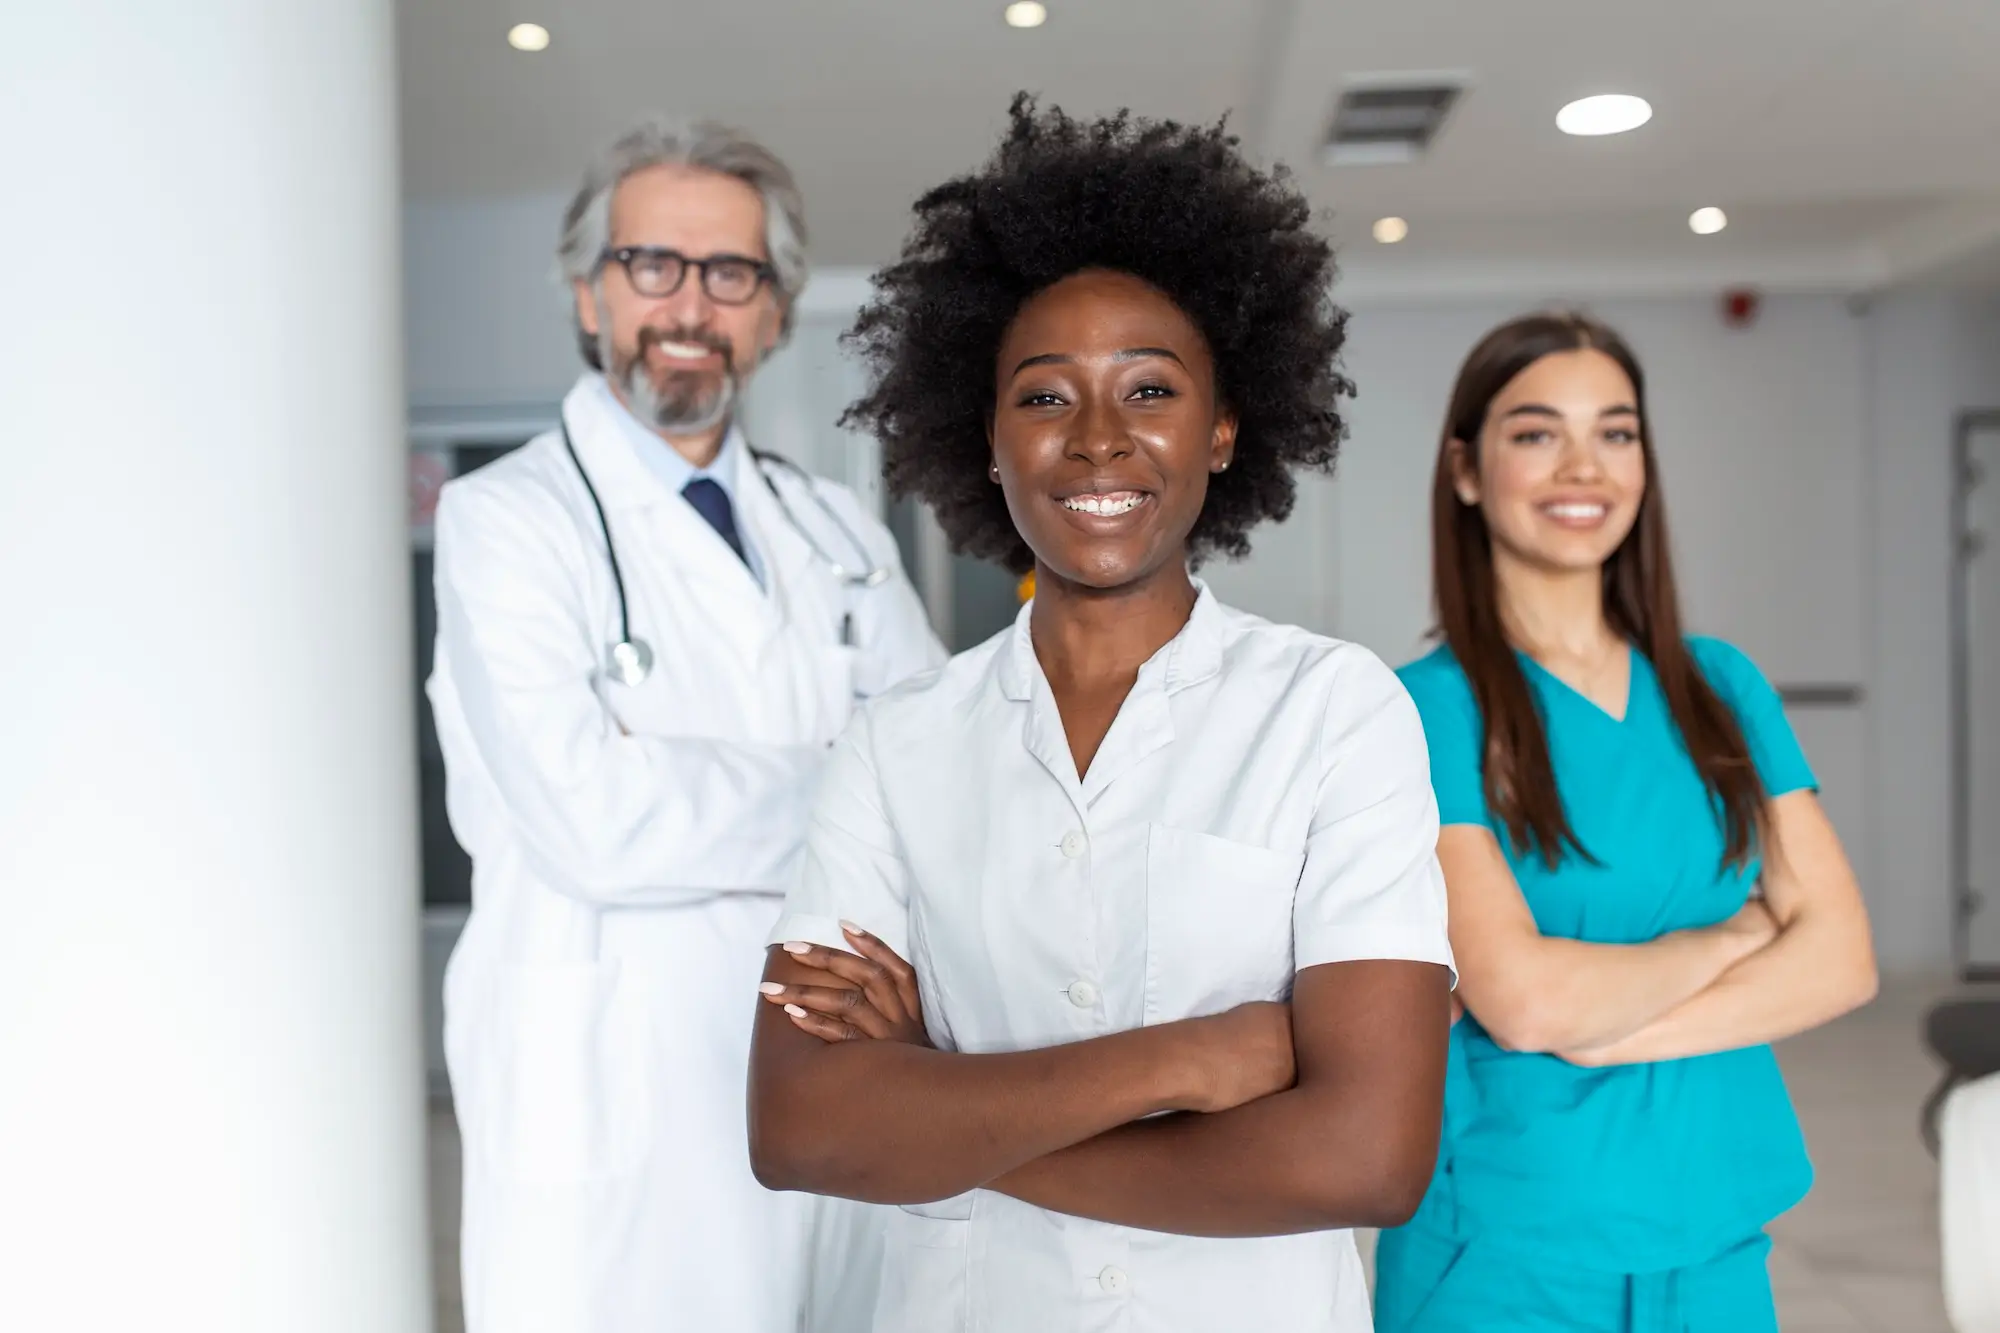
(211, 1111)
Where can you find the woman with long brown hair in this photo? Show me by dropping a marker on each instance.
(1644, 891)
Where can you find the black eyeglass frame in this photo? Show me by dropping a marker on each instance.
(626, 255)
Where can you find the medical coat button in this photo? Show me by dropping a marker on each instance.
(1073, 844)
(1082, 994)
(1114, 1280)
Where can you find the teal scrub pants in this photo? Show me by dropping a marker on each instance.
(1426, 1283)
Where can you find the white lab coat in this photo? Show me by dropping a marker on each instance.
(1261, 804)
(630, 846)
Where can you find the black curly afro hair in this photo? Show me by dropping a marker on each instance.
(1173, 205)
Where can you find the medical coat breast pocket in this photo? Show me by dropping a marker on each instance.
(837, 672)
(1218, 923)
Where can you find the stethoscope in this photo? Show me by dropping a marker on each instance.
(630, 659)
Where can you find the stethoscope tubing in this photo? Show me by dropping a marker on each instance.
(872, 576)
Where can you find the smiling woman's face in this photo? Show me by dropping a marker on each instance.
(1561, 469)
(1106, 427)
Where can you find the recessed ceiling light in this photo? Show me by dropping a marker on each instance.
(1390, 230)
(528, 37)
(1707, 221)
(1609, 113)
(1027, 14)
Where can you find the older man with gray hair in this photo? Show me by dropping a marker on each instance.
(648, 636)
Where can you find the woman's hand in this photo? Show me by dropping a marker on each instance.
(872, 996)
(1750, 929)
(1237, 1056)
(1228, 1059)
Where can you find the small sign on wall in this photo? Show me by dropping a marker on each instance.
(430, 469)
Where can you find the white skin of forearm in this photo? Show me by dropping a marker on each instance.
(1536, 993)
(1820, 965)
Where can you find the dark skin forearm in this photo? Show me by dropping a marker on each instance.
(894, 1121)
(1353, 1144)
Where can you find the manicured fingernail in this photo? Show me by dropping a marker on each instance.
(851, 928)
(795, 1011)
(796, 947)
(771, 988)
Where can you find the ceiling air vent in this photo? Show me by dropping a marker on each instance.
(1379, 121)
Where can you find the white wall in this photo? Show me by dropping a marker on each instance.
(1931, 354)
(483, 314)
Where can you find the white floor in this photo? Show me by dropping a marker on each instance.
(1858, 1256)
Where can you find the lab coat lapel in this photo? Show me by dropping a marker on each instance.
(659, 532)
(1020, 678)
(1144, 725)
(790, 567)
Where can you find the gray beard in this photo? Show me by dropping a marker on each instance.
(687, 405)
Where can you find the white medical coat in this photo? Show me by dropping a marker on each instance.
(1261, 804)
(630, 846)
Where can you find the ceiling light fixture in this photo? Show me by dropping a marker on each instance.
(1027, 14)
(528, 37)
(1391, 230)
(1707, 221)
(1608, 113)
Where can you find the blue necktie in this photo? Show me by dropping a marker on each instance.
(712, 503)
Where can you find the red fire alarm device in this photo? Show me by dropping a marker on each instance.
(1739, 307)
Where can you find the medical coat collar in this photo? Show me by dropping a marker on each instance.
(1190, 657)
(623, 479)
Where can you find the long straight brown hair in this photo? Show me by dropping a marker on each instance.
(1640, 603)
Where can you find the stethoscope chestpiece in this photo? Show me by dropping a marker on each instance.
(631, 661)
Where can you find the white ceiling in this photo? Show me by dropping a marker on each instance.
(1852, 143)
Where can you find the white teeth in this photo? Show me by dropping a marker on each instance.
(1574, 511)
(685, 351)
(1122, 502)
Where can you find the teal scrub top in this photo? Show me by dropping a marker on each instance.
(1635, 1168)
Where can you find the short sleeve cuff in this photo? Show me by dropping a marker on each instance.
(1403, 944)
(812, 928)
(807, 928)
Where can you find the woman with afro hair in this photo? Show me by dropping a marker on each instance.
(1117, 956)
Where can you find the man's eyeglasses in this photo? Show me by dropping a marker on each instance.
(656, 272)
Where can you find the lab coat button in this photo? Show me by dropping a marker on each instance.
(1082, 994)
(1114, 1280)
(1073, 844)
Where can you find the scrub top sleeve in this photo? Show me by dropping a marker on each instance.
(1454, 735)
(1774, 746)
(853, 868)
(1371, 887)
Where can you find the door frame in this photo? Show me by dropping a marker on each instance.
(1964, 899)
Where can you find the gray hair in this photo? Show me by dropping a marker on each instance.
(660, 141)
